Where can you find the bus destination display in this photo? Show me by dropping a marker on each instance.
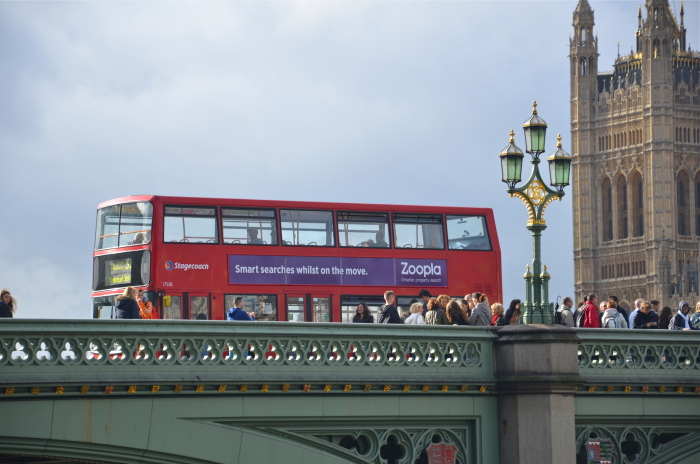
(118, 271)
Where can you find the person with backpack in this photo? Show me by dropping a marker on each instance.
(591, 319)
(578, 314)
(564, 315)
(620, 309)
(612, 318)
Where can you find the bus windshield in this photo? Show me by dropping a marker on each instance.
(124, 225)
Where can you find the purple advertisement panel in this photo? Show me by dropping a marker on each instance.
(316, 270)
(368, 271)
(421, 272)
(248, 269)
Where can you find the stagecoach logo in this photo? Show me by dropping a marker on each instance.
(443, 453)
(169, 266)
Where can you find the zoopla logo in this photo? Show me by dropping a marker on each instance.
(421, 270)
(169, 266)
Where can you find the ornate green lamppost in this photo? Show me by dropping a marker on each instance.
(536, 195)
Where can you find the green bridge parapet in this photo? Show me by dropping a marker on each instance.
(638, 358)
(213, 356)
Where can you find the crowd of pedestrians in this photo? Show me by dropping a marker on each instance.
(592, 313)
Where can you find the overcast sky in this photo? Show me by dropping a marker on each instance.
(373, 102)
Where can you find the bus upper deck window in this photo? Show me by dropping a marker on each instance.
(124, 225)
(190, 224)
(358, 229)
(418, 231)
(249, 226)
(307, 228)
(468, 233)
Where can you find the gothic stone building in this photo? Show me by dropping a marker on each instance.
(636, 161)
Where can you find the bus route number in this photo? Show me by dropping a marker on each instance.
(167, 284)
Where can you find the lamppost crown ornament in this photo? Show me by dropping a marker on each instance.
(511, 162)
(559, 167)
(535, 130)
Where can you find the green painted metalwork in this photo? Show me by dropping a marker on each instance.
(639, 358)
(65, 353)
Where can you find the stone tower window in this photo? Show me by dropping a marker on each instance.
(583, 34)
(607, 210)
(622, 227)
(583, 66)
(697, 204)
(637, 190)
(682, 203)
(657, 49)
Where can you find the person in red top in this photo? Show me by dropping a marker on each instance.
(590, 312)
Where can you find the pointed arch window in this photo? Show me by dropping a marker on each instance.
(584, 69)
(622, 225)
(682, 203)
(607, 218)
(637, 207)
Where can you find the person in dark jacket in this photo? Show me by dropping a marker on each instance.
(436, 315)
(665, 317)
(363, 315)
(645, 318)
(497, 319)
(455, 314)
(236, 313)
(681, 321)
(127, 308)
(425, 296)
(388, 314)
(7, 304)
(511, 309)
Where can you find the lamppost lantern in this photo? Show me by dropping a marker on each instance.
(511, 162)
(535, 130)
(559, 167)
(536, 195)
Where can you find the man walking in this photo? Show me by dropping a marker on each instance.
(637, 305)
(591, 318)
(388, 314)
(566, 316)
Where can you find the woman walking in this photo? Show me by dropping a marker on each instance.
(127, 308)
(363, 315)
(8, 305)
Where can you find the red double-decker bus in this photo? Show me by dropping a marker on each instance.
(289, 261)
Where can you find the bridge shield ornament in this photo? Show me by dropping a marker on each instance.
(442, 453)
(599, 451)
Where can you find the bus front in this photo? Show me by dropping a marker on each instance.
(122, 254)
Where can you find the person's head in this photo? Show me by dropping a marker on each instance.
(238, 302)
(515, 318)
(469, 297)
(697, 307)
(389, 297)
(567, 301)
(685, 309)
(416, 308)
(454, 312)
(655, 304)
(497, 309)
(580, 303)
(379, 236)
(514, 304)
(465, 305)
(252, 233)
(138, 238)
(424, 295)
(612, 304)
(433, 304)
(129, 293)
(644, 307)
(139, 293)
(592, 299)
(362, 309)
(6, 297)
(666, 313)
(475, 297)
(603, 306)
(482, 299)
(638, 303)
(444, 301)
(614, 298)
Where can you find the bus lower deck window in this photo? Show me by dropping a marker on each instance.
(264, 306)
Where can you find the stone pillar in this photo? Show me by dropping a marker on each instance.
(537, 370)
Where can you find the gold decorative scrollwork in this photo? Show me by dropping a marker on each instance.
(536, 192)
(528, 205)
